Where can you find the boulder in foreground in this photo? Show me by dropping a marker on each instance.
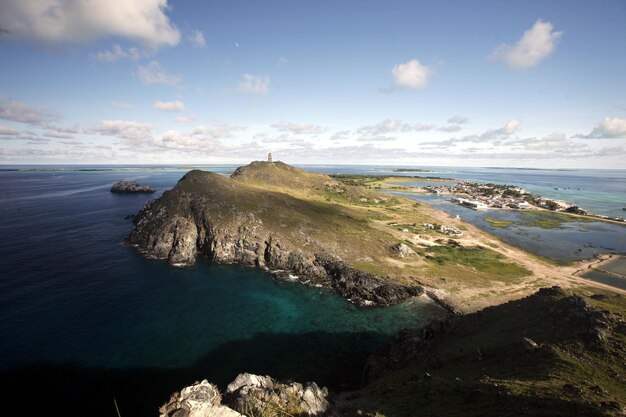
(252, 395)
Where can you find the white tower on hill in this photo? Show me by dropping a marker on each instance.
(269, 157)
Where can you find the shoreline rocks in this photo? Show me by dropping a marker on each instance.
(131, 187)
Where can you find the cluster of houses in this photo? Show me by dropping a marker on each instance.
(450, 231)
(483, 196)
(447, 230)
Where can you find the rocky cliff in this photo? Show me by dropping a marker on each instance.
(271, 216)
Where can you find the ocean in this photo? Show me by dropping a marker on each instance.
(84, 318)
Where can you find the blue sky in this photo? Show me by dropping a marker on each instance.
(497, 83)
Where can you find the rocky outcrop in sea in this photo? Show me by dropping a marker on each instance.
(128, 187)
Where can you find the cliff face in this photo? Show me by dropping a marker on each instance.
(266, 216)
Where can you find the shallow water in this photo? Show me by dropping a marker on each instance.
(572, 241)
(605, 278)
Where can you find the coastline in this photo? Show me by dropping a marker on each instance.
(255, 242)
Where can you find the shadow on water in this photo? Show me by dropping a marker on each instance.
(335, 360)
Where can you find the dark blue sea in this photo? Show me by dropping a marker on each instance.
(84, 318)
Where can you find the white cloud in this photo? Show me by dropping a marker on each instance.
(381, 128)
(340, 135)
(118, 53)
(175, 105)
(376, 139)
(61, 132)
(78, 21)
(412, 74)
(20, 112)
(536, 44)
(450, 128)
(298, 128)
(125, 129)
(153, 73)
(186, 118)
(282, 61)
(197, 39)
(609, 128)
(202, 137)
(284, 138)
(7, 131)
(553, 142)
(510, 127)
(422, 127)
(458, 120)
(253, 84)
(488, 136)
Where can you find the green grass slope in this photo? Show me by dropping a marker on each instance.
(480, 365)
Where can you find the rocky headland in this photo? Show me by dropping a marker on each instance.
(272, 216)
(372, 248)
(129, 187)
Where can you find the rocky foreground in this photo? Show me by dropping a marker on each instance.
(254, 395)
(271, 216)
(129, 187)
(554, 353)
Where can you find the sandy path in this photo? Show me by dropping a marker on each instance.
(544, 274)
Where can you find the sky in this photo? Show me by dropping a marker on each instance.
(537, 84)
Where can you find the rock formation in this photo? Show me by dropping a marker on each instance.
(201, 399)
(127, 187)
(252, 395)
(247, 219)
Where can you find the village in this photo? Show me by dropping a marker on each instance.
(480, 196)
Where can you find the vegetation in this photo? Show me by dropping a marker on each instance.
(480, 364)
(253, 406)
(498, 222)
(482, 262)
(549, 220)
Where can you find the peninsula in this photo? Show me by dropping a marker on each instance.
(371, 248)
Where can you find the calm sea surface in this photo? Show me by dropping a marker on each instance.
(88, 318)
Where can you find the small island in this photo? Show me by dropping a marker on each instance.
(131, 187)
